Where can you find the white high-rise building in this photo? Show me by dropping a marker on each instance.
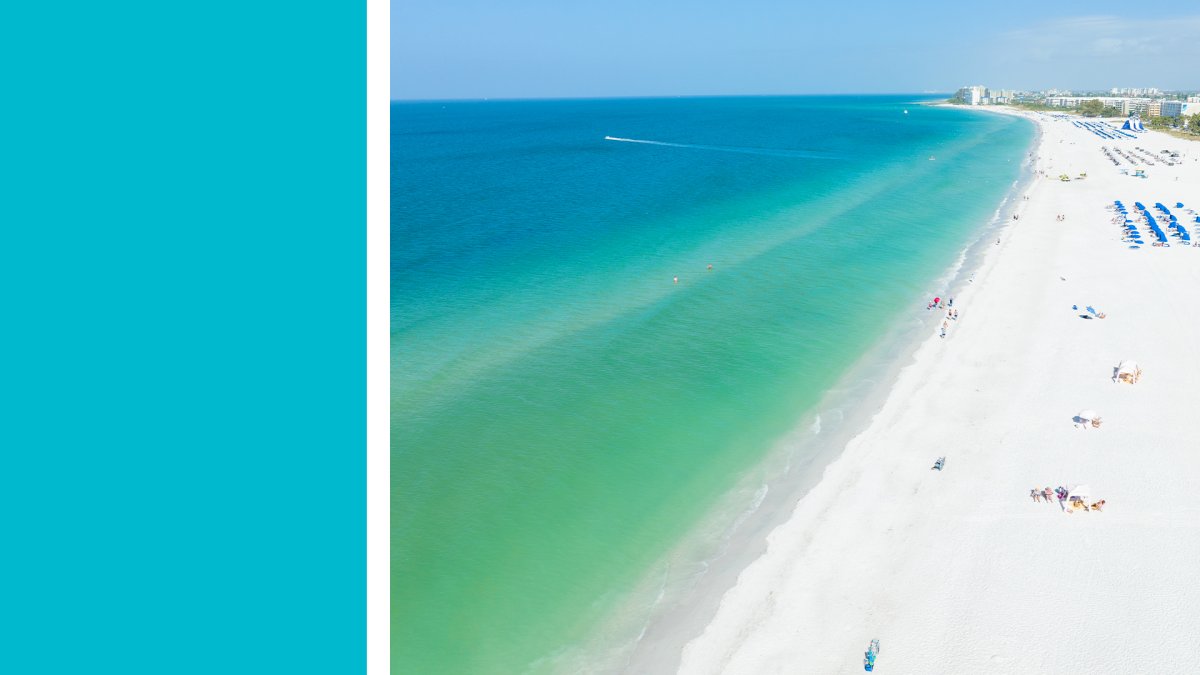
(972, 95)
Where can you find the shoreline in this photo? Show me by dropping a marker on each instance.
(823, 586)
(688, 586)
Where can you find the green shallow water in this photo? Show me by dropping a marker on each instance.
(562, 412)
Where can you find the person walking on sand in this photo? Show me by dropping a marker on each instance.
(1037, 496)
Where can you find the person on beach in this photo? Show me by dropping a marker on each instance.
(1047, 493)
(951, 302)
(1097, 505)
(1037, 496)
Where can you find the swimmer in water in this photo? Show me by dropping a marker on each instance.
(710, 266)
(676, 279)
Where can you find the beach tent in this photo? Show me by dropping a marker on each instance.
(1133, 124)
(1128, 371)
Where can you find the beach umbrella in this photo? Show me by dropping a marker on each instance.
(1087, 415)
(1082, 491)
(1179, 205)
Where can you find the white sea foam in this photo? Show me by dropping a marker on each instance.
(777, 152)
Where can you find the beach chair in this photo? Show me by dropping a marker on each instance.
(869, 656)
(941, 461)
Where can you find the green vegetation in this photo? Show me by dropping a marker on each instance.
(1161, 122)
(1094, 108)
(1030, 105)
(1187, 126)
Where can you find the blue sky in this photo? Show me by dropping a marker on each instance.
(546, 49)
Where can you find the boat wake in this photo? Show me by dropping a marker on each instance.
(776, 152)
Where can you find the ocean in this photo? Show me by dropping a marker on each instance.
(575, 391)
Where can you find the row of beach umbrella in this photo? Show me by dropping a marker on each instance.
(1173, 222)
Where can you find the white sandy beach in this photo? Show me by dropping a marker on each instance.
(960, 570)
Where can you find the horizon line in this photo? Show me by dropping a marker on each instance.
(653, 96)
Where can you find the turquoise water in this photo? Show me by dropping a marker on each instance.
(563, 410)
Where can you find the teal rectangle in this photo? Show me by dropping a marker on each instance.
(184, 265)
